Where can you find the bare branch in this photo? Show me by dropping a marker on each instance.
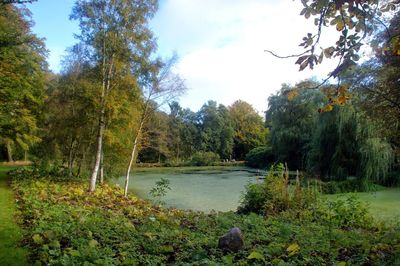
(287, 56)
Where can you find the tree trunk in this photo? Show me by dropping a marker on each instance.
(106, 85)
(71, 158)
(102, 168)
(9, 151)
(133, 154)
(95, 171)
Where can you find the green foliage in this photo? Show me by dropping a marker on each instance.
(291, 122)
(354, 22)
(160, 189)
(22, 77)
(346, 143)
(66, 226)
(351, 185)
(229, 132)
(42, 171)
(204, 158)
(216, 129)
(347, 212)
(250, 131)
(260, 157)
(273, 195)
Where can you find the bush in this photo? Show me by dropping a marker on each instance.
(260, 157)
(204, 158)
(347, 212)
(353, 185)
(39, 171)
(274, 195)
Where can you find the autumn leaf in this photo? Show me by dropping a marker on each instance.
(293, 249)
(341, 100)
(37, 239)
(255, 255)
(292, 94)
(93, 243)
(327, 108)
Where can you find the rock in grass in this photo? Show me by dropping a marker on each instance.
(232, 241)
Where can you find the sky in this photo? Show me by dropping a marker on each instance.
(220, 44)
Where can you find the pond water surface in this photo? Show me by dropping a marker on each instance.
(202, 190)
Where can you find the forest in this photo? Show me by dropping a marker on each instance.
(113, 110)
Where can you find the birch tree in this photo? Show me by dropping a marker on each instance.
(163, 86)
(118, 43)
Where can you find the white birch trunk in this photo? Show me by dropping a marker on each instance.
(104, 92)
(95, 171)
(133, 155)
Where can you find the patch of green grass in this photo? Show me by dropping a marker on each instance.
(10, 233)
(384, 204)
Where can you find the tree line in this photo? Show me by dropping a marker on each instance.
(227, 132)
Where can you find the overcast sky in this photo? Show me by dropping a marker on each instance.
(220, 44)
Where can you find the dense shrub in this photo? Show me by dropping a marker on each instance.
(345, 212)
(204, 158)
(260, 157)
(274, 195)
(38, 171)
(351, 185)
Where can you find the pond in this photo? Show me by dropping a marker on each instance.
(201, 190)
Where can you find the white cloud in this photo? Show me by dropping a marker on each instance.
(221, 46)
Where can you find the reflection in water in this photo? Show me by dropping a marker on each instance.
(198, 190)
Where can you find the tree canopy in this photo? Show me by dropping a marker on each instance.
(22, 79)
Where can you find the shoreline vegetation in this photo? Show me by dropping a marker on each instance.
(64, 225)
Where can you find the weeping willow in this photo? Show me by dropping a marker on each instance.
(376, 160)
(347, 143)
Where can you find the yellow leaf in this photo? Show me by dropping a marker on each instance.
(342, 90)
(340, 26)
(37, 239)
(93, 243)
(342, 263)
(293, 249)
(167, 249)
(292, 94)
(341, 100)
(328, 108)
(149, 235)
(255, 255)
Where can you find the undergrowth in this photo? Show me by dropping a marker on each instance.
(66, 225)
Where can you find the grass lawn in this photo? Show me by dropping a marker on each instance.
(10, 233)
(384, 204)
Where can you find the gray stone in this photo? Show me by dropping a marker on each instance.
(232, 241)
